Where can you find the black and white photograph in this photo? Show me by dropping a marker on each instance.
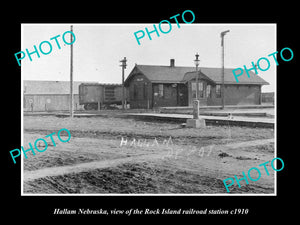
(144, 109)
(139, 112)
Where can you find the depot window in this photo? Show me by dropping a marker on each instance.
(160, 90)
(208, 91)
(201, 89)
(218, 91)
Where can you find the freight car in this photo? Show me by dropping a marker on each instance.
(94, 96)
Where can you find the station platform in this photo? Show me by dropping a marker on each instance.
(210, 120)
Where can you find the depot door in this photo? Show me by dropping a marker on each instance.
(182, 95)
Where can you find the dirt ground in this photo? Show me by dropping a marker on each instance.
(125, 156)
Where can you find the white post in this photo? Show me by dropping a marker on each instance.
(196, 109)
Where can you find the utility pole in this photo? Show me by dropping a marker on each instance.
(123, 61)
(71, 78)
(223, 72)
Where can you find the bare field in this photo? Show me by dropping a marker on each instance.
(158, 158)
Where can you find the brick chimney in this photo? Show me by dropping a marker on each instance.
(172, 62)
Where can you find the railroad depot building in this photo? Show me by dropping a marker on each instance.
(153, 86)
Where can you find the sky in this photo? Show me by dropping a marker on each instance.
(98, 48)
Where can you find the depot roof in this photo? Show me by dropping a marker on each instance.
(180, 74)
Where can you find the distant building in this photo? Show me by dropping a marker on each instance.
(153, 86)
(49, 95)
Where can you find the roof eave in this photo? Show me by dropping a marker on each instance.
(244, 83)
(167, 82)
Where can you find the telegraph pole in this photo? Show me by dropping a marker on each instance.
(123, 61)
(223, 85)
(71, 78)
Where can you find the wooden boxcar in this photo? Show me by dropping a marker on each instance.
(96, 95)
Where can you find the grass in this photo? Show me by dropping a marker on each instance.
(127, 178)
(99, 138)
(116, 128)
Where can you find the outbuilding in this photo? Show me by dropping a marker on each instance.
(152, 86)
(40, 95)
